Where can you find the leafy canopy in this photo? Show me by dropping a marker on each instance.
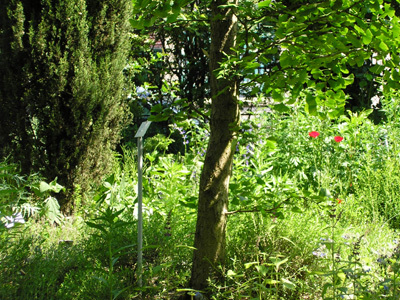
(291, 50)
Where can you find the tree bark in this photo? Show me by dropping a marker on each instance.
(214, 182)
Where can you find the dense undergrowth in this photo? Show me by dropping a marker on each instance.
(314, 214)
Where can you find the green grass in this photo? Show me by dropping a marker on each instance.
(313, 247)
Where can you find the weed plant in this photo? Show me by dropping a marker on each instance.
(313, 215)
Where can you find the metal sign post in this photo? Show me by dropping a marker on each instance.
(139, 135)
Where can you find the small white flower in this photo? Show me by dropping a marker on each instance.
(13, 219)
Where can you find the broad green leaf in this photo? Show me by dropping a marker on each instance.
(159, 117)
(263, 270)
(377, 69)
(8, 191)
(157, 108)
(96, 226)
(251, 65)
(359, 30)
(288, 284)
(136, 24)
(232, 5)
(52, 209)
(264, 4)
(302, 76)
(157, 269)
(282, 108)
(394, 84)
(395, 75)
(285, 60)
(43, 187)
(277, 95)
(396, 31)
(367, 38)
(341, 278)
(101, 279)
(116, 293)
(296, 210)
(349, 79)
(383, 46)
(191, 204)
(271, 281)
(277, 261)
(311, 105)
(248, 265)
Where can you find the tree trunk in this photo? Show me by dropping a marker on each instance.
(214, 181)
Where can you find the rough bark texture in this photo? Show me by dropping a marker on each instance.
(214, 182)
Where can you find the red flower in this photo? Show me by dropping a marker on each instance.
(338, 139)
(339, 201)
(313, 134)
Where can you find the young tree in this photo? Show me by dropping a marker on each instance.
(62, 88)
(315, 44)
(224, 123)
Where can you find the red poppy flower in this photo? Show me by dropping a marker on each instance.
(313, 134)
(338, 139)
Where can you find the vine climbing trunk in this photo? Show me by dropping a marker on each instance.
(214, 182)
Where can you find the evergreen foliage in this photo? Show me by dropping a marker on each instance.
(62, 87)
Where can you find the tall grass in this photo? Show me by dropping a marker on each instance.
(310, 218)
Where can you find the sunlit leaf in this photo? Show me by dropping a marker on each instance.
(264, 3)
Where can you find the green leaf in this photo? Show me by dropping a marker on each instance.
(248, 265)
(228, 6)
(359, 30)
(271, 281)
(114, 261)
(52, 209)
(395, 75)
(377, 69)
(186, 246)
(157, 269)
(44, 187)
(277, 95)
(263, 270)
(296, 210)
(190, 204)
(282, 108)
(116, 293)
(159, 117)
(288, 284)
(136, 24)
(367, 38)
(156, 108)
(251, 65)
(383, 46)
(124, 247)
(349, 79)
(277, 262)
(311, 105)
(96, 226)
(264, 4)
(396, 31)
(285, 60)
